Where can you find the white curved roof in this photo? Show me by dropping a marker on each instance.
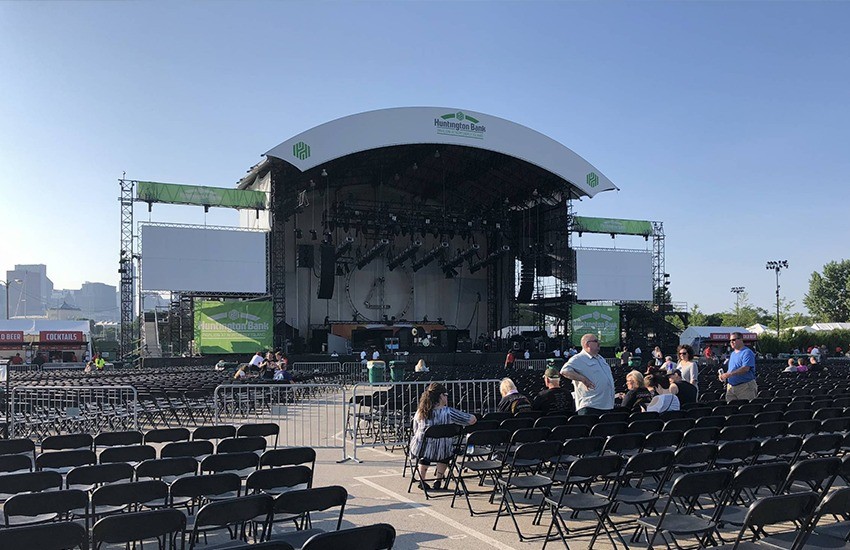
(438, 125)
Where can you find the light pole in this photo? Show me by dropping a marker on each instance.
(6, 284)
(738, 290)
(777, 266)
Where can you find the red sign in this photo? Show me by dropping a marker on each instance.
(60, 337)
(11, 337)
(748, 336)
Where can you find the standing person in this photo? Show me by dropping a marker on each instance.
(433, 410)
(625, 357)
(99, 362)
(740, 373)
(669, 366)
(592, 379)
(376, 355)
(363, 357)
(553, 398)
(815, 352)
(687, 366)
(509, 360)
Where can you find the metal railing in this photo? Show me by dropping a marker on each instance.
(40, 411)
(309, 415)
(531, 364)
(380, 414)
(332, 371)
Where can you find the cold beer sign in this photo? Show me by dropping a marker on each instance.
(11, 337)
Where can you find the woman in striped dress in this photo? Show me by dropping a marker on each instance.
(433, 410)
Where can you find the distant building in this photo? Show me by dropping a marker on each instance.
(65, 312)
(31, 296)
(97, 301)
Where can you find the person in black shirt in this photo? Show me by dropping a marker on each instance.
(553, 398)
(637, 395)
(512, 401)
(686, 392)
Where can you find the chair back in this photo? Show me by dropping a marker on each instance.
(245, 444)
(167, 435)
(131, 454)
(194, 449)
(67, 442)
(113, 439)
(372, 537)
(214, 432)
(99, 474)
(286, 477)
(159, 468)
(291, 456)
(137, 526)
(50, 536)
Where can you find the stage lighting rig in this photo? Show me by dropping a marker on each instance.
(373, 253)
(449, 267)
(429, 257)
(404, 255)
(343, 249)
(490, 259)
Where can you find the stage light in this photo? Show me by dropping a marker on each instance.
(429, 257)
(372, 253)
(344, 247)
(314, 235)
(298, 233)
(404, 255)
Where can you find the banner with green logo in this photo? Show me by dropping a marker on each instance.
(233, 326)
(173, 193)
(603, 321)
(612, 225)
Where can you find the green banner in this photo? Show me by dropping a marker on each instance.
(603, 321)
(173, 193)
(233, 326)
(612, 225)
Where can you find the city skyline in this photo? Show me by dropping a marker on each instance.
(726, 121)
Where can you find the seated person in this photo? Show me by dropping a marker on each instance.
(637, 394)
(512, 401)
(662, 400)
(681, 388)
(553, 398)
(282, 374)
(792, 366)
(814, 364)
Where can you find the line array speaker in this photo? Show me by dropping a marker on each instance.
(327, 276)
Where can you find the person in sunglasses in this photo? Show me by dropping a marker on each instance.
(740, 375)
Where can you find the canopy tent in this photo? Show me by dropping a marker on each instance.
(697, 336)
(46, 334)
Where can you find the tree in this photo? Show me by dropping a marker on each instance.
(828, 299)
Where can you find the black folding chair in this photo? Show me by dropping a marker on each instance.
(12, 484)
(245, 444)
(582, 474)
(678, 520)
(33, 508)
(167, 469)
(380, 536)
(195, 449)
(291, 456)
(132, 454)
(451, 432)
(300, 504)
(213, 433)
(15, 464)
(165, 526)
(771, 511)
(274, 481)
(832, 534)
(132, 496)
(479, 462)
(50, 536)
(524, 474)
(117, 439)
(241, 464)
(260, 430)
(167, 435)
(235, 515)
(88, 478)
(63, 461)
(193, 491)
(67, 442)
(816, 474)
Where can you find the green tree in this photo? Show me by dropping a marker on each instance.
(828, 299)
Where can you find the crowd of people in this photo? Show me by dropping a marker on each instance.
(267, 366)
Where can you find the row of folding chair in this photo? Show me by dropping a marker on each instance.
(240, 517)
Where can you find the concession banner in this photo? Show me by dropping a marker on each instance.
(233, 326)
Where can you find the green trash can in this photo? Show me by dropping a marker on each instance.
(397, 371)
(376, 371)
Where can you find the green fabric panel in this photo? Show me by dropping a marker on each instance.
(233, 326)
(173, 193)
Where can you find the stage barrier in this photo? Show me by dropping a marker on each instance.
(531, 364)
(381, 415)
(40, 411)
(309, 415)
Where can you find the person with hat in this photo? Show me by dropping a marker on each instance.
(553, 398)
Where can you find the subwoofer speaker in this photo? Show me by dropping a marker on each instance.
(327, 275)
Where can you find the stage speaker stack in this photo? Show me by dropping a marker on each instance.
(526, 282)
(327, 275)
(304, 255)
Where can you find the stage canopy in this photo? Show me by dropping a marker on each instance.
(443, 154)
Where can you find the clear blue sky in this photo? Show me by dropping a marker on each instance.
(728, 121)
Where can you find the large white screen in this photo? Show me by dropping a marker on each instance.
(614, 275)
(203, 260)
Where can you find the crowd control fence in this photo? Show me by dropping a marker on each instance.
(532, 364)
(309, 415)
(381, 414)
(41, 411)
(332, 371)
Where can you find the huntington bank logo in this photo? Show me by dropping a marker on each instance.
(592, 179)
(459, 124)
(301, 150)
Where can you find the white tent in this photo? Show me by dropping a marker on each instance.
(696, 335)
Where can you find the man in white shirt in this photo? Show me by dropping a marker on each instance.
(257, 360)
(375, 355)
(592, 379)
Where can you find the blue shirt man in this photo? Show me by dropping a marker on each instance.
(741, 371)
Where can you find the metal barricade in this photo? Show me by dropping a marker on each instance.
(355, 371)
(380, 415)
(530, 364)
(309, 415)
(331, 371)
(40, 411)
